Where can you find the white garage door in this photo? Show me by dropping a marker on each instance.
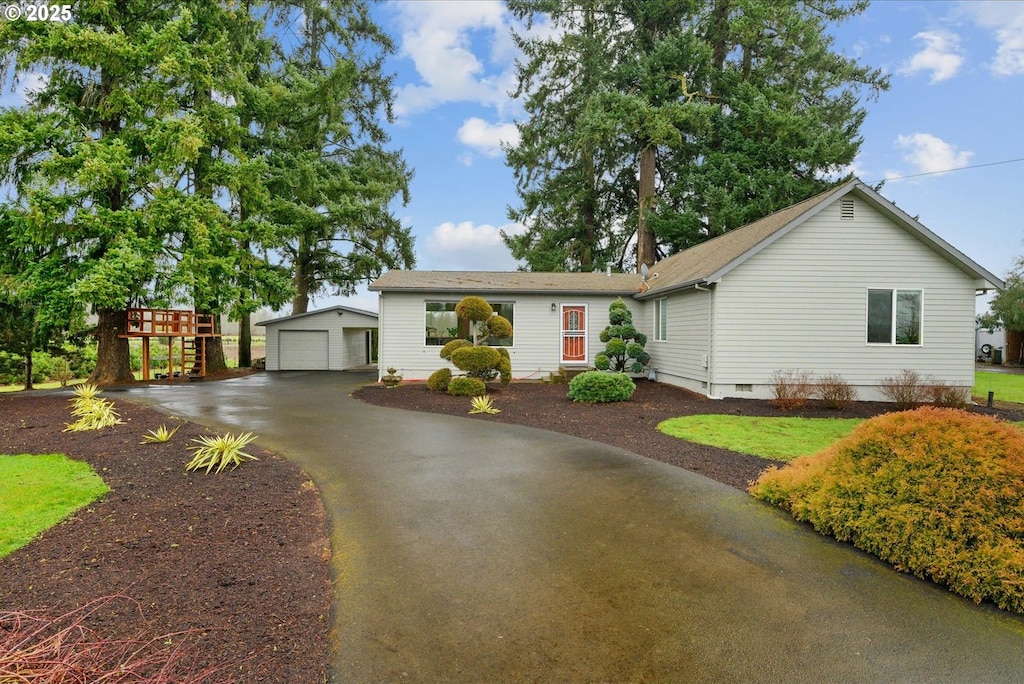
(303, 350)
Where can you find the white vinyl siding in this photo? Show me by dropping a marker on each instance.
(536, 331)
(800, 304)
(680, 359)
(345, 333)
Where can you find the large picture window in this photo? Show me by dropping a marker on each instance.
(661, 319)
(443, 326)
(894, 316)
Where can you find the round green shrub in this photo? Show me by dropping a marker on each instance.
(936, 492)
(475, 359)
(627, 331)
(467, 387)
(596, 387)
(614, 331)
(446, 350)
(439, 379)
(602, 362)
(634, 350)
(619, 315)
(636, 367)
(641, 339)
(604, 337)
(615, 347)
(474, 309)
(499, 326)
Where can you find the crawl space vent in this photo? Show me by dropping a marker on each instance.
(846, 209)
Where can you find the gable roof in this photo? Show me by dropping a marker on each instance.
(339, 309)
(701, 264)
(484, 282)
(709, 261)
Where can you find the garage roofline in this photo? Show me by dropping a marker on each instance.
(340, 309)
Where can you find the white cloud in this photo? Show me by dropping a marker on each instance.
(1007, 21)
(487, 138)
(930, 154)
(468, 247)
(438, 38)
(941, 56)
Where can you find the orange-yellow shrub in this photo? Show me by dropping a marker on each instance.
(936, 492)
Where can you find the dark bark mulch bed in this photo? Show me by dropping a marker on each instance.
(238, 559)
(630, 425)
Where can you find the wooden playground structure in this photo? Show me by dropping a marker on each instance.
(193, 329)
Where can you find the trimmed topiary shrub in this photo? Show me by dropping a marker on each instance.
(467, 387)
(936, 492)
(476, 360)
(597, 387)
(474, 309)
(439, 379)
(624, 346)
(505, 366)
(446, 350)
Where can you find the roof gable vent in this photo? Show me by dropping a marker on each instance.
(846, 209)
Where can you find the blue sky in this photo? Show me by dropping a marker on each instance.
(956, 101)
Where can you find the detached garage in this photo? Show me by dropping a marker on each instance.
(338, 338)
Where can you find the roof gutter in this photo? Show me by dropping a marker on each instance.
(689, 284)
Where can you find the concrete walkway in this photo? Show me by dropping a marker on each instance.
(470, 551)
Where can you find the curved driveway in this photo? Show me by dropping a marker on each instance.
(479, 552)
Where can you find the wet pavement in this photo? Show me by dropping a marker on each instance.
(469, 551)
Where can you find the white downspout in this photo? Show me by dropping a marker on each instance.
(711, 337)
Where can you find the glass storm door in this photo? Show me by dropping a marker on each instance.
(574, 333)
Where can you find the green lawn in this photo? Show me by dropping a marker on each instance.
(39, 492)
(782, 438)
(38, 385)
(1007, 386)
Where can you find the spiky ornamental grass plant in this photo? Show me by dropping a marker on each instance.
(220, 451)
(93, 412)
(160, 435)
(484, 405)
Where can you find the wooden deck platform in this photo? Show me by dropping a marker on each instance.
(193, 329)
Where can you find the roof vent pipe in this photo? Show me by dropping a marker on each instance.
(608, 268)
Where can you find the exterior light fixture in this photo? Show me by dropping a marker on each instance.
(554, 307)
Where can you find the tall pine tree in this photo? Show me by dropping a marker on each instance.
(331, 175)
(706, 114)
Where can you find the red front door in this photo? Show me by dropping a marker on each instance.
(574, 333)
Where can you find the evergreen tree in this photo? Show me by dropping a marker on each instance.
(704, 114)
(88, 155)
(331, 175)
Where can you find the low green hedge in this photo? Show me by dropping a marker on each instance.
(597, 387)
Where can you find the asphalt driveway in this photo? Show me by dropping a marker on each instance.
(469, 551)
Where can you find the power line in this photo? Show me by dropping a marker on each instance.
(959, 168)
